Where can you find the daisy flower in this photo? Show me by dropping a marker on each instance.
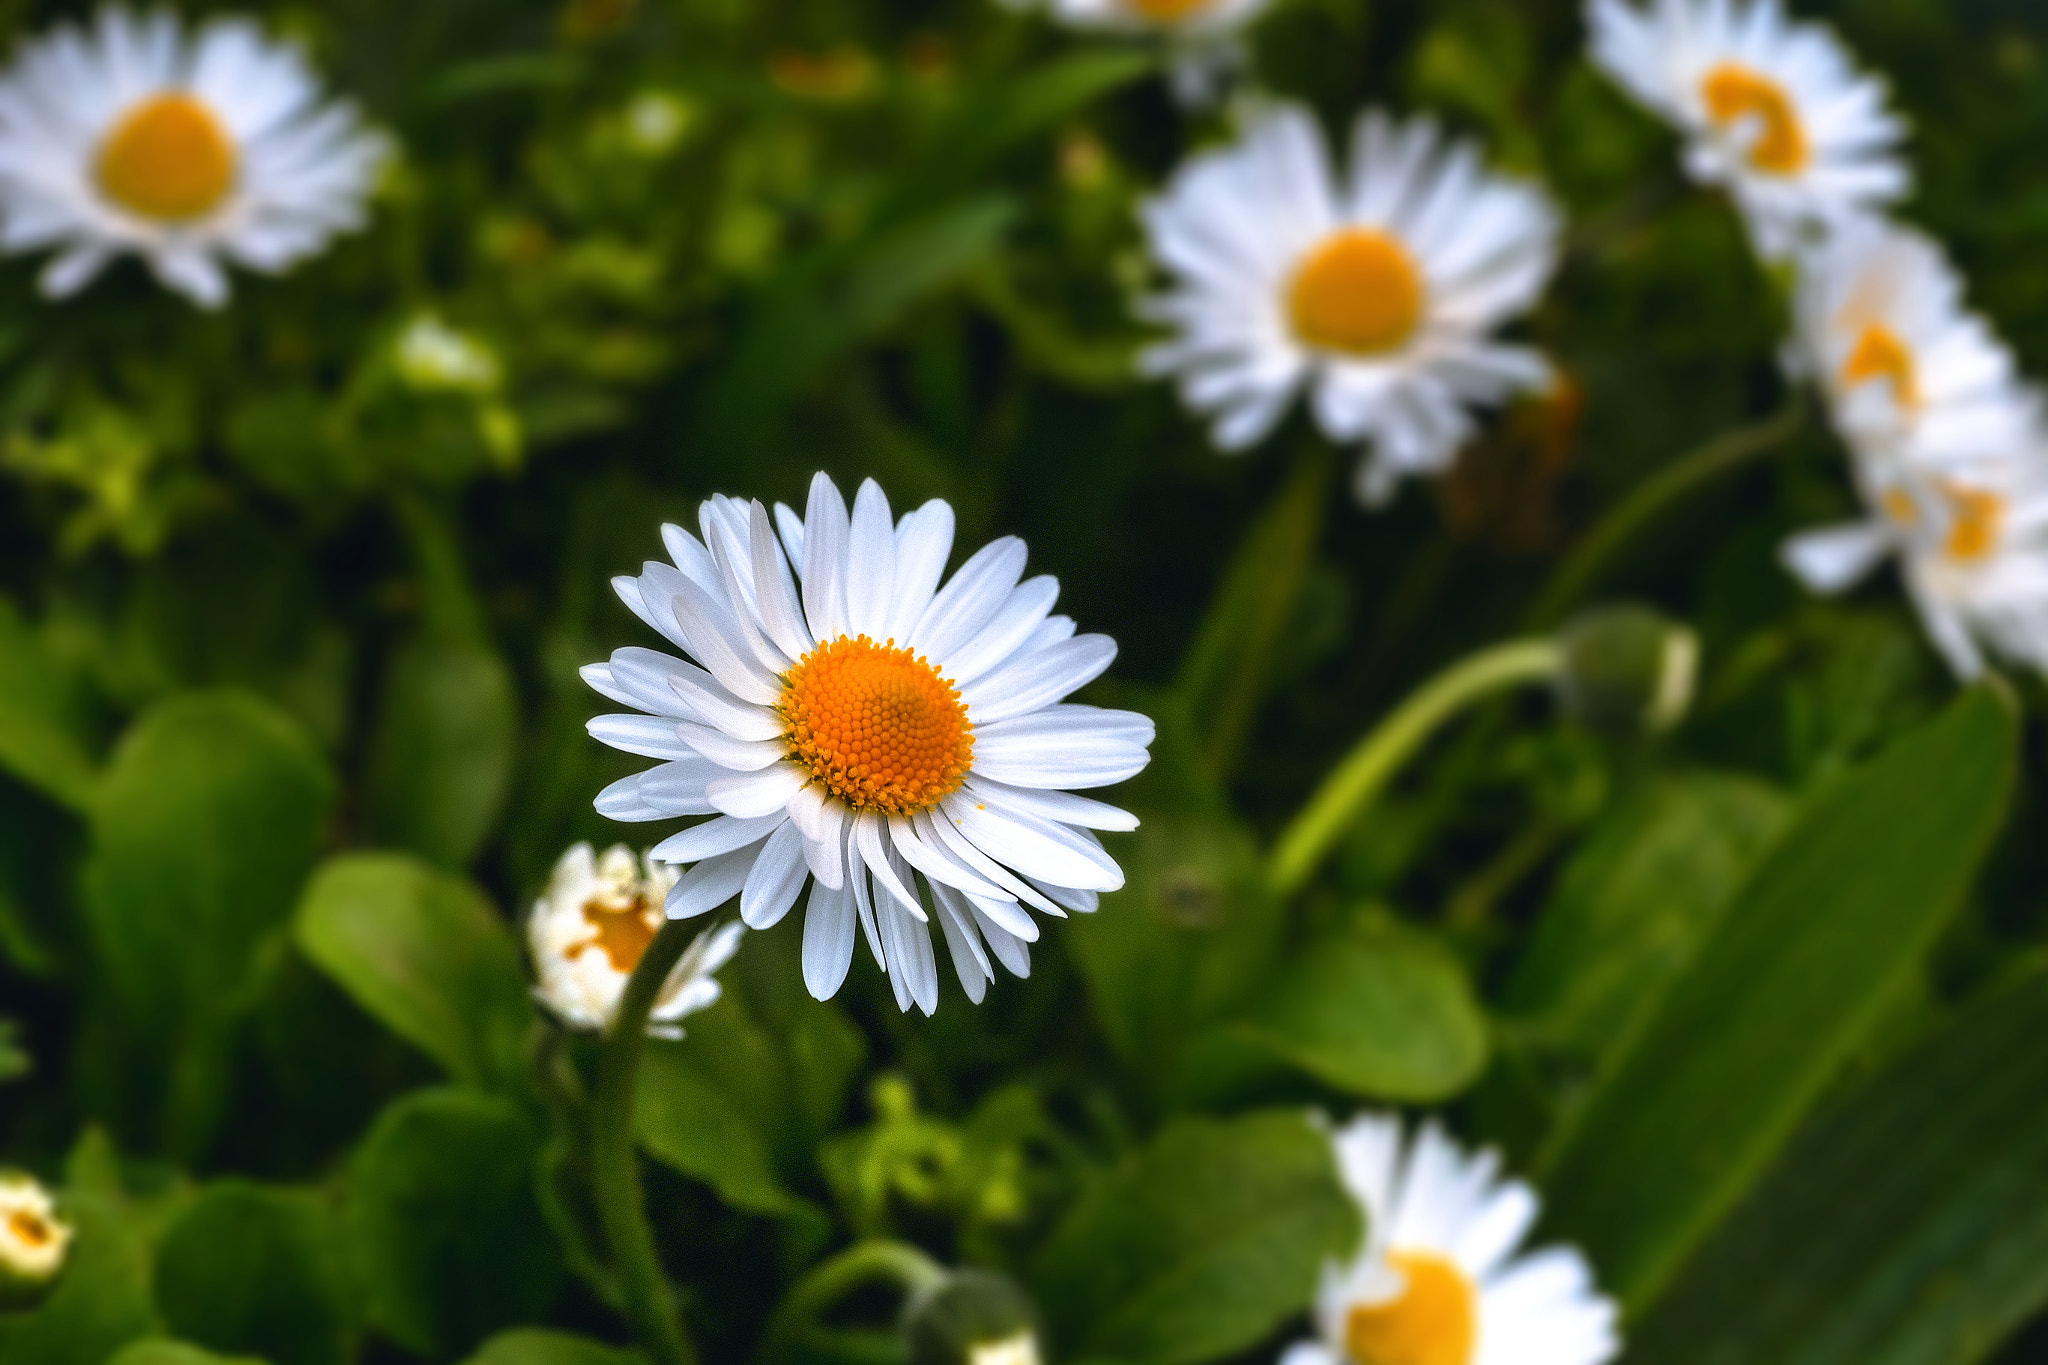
(1908, 374)
(1972, 545)
(182, 149)
(33, 1240)
(1772, 110)
(590, 929)
(1201, 36)
(850, 724)
(1439, 1280)
(1379, 293)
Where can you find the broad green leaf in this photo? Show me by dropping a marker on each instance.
(534, 1346)
(1908, 1225)
(45, 737)
(205, 825)
(162, 1352)
(423, 952)
(1634, 903)
(248, 1270)
(1197, 1246)
(1374, 1010)
(441, 1225)
(1834, 921)
(686, 1121)
(441, 759)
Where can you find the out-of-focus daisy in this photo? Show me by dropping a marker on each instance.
(33, 1240)
(856, 726)
(1907, 372)
(181, 148)
(1202, 36)
(1379, 293)
(1771, 109)
(1439, 1280)
(1972, 546)
(590, 929)
(434, 357)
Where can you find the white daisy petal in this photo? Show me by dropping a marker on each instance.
(720, 834)
(828, 939)
(712, 882)
(777, 876)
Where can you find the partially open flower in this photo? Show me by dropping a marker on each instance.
(33, 1241)
(975, 1317)
(1627, 670)
(590, 929)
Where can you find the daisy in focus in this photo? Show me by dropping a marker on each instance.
(1201, 36)
(183, 149)
(1377, 291)
(1906, 371)
(850, 724)
(1772, 110)
(1439, 1280)
(589, 931)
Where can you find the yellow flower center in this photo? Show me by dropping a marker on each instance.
(623, 929)
(168, 159)
(1735, 93)
(29, 1229)
(1435, 1321)
(1879, 354)
(1976, 518)
(1169, 11)
(1358, 292)
(1900, 507)
(876, 726)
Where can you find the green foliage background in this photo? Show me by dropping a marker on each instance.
(291, 733)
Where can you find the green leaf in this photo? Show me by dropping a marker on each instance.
(1830, 927)
(687, 1122)
(14, 1059)
(440, 761)
(533, 1346)
(160, 1352)
(203, 830)
(441, 1225)
(1635, 902)
(1375, 1010)
(425, 954)
(1199, 1245)
(45, 737)
(257, 1271)
(1907, 1226)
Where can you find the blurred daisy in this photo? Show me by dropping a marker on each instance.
(1772, 109)
(1972, 546)
(856, 726)
(1379, 294)
(1202, 36)
(182, 149)
(33, 1240)
(1439, 1281)
(590, 929)
(1907, 372)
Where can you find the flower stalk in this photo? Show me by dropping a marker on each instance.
(861, 1264)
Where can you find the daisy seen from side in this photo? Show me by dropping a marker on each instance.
(1440, 1279)
(1203, 38)
(185, 148)
(1378, 291)
(1771, 109)
(851, 724)
(589, 929)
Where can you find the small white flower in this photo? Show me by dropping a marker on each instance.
(1906, 371)
(590, 929)
(1439, 1280)
(1380, 295)
(1021, 1349)
(1772, 110)
(1202, 36)
(182, 149)
(434, 357)
(857, 727)
(1972, 546)
(33, 1240)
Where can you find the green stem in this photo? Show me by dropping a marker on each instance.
(1648, 500)
(1351, 788)
(615, 1172)
(829, 1282)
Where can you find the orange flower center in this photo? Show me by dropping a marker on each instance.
(876, 726)
(1169, 11)
(168, 158)
(1879, 354)
(1976, 518)
(623, 930)
(1734, 93)
(1435, 1321)
(1358, 292)
(29, 1229)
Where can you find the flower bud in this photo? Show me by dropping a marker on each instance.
(33, 1241)
(975, 1318)
(1627, 670)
